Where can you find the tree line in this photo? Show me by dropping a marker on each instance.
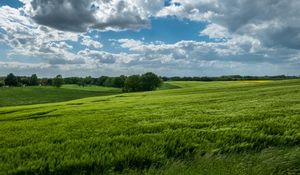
(145, 82)
(229, 78)
(17, 81)
(134, 83)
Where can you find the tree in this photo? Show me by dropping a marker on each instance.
(25, 81)
(88, 80)
(132, 84)
(119, 81)
(11, 80)
(46, 82)
(81, 82)
(109, 82)
(100, 81)
(1, 83)
(150, 81)
(147, 82)
(33, 81)
(58, 81)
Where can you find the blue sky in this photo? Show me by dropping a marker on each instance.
(171, 38)
(168, 30)
(12, 3)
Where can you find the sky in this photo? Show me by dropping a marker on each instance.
(168, 37)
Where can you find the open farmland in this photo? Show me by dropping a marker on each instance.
(192, 128)
(36, 95)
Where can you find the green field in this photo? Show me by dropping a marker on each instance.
(191, 128)
(36, 95)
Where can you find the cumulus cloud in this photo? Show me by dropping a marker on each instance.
(81, 15)
(274, 23)
(200, 10)
(21, 65)
(27, 39)
(215, 31)
(235, 50)
(233, 56)
(89, 42)
(98, 56)
(188, 50)
(245, 37)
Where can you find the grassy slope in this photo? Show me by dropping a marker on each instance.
(201, 128)
(38, 95)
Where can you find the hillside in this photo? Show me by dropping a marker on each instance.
(196, 128)
(16, 96)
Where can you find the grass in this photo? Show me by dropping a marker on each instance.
(269, 161)
(38, 95)
(197, 128)
(92, 88)
(168, 86)
(255, 81)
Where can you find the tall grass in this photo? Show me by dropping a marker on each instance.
(199, 128)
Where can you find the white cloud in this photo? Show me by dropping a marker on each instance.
(238, 49)
(82, 15)
(187, 10)
(262, 40)
(215, 31)
(89, 42)
(98, 56)
(274, 23)
(21, 65)
(29, 39)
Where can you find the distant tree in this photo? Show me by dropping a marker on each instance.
(33, 81)
(165, 78)
(24, 80)
(11, 80)
(72, 80)
(88, 80)
(100, 81)
(46, 82)
(150, 81)
(119, 81)
(81, 82)
(58, 81)
(109, 82)
(132, 84)
(1, 83)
